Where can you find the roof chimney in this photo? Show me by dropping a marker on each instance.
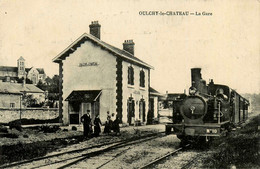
(94, 29)
(129, 46)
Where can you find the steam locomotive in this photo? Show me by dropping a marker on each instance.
(208, 111)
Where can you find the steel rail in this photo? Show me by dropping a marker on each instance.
(107, 149)
(157, 160)
(76, 151)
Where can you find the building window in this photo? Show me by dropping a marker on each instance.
(12, 105)
(130, 75)
(142, 78)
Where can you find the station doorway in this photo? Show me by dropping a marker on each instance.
(82, 101)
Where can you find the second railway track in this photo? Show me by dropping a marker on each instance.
(69, 158)
(163, 157)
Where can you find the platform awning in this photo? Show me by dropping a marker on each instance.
(84, 95)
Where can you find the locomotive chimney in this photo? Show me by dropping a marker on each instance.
(94, 29)
(128, 46)
(195, 77)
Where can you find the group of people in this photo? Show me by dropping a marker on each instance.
(112, 123)
(87, 125)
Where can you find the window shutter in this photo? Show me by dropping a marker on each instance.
(133, 108)
(143, 79)
(144, 110)
(140, 76)
(129, 75)
(132, 75)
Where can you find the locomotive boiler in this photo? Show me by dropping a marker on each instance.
(210, 110)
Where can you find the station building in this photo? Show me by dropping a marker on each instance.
(99, 77)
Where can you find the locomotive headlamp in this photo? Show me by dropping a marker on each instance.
(192, 90)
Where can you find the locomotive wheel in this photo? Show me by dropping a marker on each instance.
(168, 130)
(180, 137)
(184, 140)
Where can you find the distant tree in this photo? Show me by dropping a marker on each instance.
(42, 86)
(254, 100)
(27, 81)
(51, 86)
(48, 80)
(28, 100)
(54, 87)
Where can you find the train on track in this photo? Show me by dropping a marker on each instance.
(208, 111)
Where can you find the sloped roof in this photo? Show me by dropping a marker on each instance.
(28, 69)
(40, 70)
(7, 87)
(116, 51)
(84, 95)
(3, 78)
(154, 92)
(174, 96)
(15, 69)
(21, 58)
(8, 68)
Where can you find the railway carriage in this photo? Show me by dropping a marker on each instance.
(208, 111)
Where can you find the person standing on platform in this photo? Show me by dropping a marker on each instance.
(108, 124)
(116, 127)
(86, 120)
(97, 125)
(113, 118)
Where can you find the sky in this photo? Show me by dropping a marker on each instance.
(225, 44)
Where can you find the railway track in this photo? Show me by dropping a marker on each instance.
(190, 163)
(69, 158)
(164, 157)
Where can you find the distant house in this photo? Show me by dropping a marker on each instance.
(10, 97)
(171, 97)
(10, 94)
(154, 96)
(12, 74)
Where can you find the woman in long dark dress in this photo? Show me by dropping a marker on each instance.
(116, 127)
(97, 125)
(108, 124)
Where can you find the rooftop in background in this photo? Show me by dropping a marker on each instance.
(18, 88)
(175, 96)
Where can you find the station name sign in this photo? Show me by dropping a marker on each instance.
(88, 64)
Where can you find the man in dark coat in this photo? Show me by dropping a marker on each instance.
(97, 125)
(86, 123)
